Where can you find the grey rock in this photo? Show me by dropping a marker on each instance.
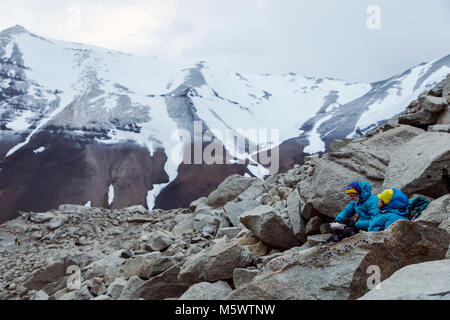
(228, 190)
(422, 281)
(216, 263)
(313, 226)
(184, 224)
(439, 128)
(415, 166)
(231, 232)
(115, 288)
(207, 291)
(126, 254)
(268, 225)
(40, 295)
(234, 209)
(243, 276)
(206, 223)
(429, 109)
(159, 240)
(163, 286)
(295, 206)
(130, 287)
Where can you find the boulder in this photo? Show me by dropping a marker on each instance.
(216, 263)
(234, 209)
(185, 223)
(439, 128)
(205, 223)
(436, 212)
(268, 225)
(115, 288)
(416, 165)
(135, 210)
(228, 190)
(126, 254)
(243, 276)
(341, 270)
(41, 278)
(130, 287)
(77, 209)
(313, 226)
(40, 295)
(428, 111)
(256, 247)
(295, 206)
(194, 204)
(159, 240)
(207, 291)
(163, 286)
(364, 159)
(97, 287)
(255, 190)
(230, 232)
(422, 281)
(41, 217)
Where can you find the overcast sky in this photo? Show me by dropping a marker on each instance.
(323, 38)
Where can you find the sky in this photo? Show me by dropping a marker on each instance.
(352, 40)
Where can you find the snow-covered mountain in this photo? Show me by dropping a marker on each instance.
(86, 125)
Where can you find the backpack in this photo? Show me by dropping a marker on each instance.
(416, 206)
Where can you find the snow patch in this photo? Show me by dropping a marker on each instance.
(110, 194)
(88, 204)
(39, 150)
(315, 142)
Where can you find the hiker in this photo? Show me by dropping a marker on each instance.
(18, 242)
(446, 178)
(15, 241)
(363, 203)
(393, 206)
(77, 243)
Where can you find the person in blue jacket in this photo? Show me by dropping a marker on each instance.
(364, 203)
(393, 206)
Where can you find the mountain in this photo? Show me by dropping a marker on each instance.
(86, 125)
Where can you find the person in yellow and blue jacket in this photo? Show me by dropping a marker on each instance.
(363, 203)
(393, 206)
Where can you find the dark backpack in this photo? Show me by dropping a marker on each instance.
(416, 206)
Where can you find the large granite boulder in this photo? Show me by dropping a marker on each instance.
(216, 263)
(415, 167)
(228, 190)
(422, 281)
(423, 112)
(268, 225)
(207, 291)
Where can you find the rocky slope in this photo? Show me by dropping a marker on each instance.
(81, 124)
(253, 238)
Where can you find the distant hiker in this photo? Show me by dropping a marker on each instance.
(19, 242)
(15, 241)
(446, 178)
(77, 243)
(393, 206)
(363, 203)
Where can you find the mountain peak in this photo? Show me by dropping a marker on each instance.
(17, 29)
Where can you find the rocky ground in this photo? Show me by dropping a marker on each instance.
(254, 239)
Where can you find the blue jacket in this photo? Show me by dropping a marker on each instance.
(396, 209)
(366, 208)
